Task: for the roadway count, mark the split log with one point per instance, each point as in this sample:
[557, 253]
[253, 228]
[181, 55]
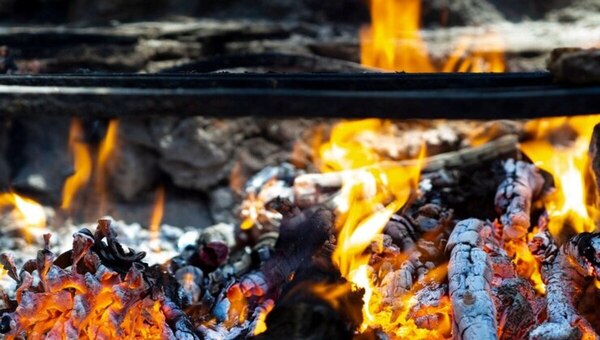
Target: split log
[574, 267]
[523, 183]
[470, 275]
[310, 188]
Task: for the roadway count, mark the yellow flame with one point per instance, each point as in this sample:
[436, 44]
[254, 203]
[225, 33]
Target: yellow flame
[567, 161]
[157, 216]
[28, 212]
[393, 42]
[82, 163]
[525, 263]
[372, 191]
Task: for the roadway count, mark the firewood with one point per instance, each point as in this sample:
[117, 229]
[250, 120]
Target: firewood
[470, 275]
[522, 184]
[573, 268]
[309, 189]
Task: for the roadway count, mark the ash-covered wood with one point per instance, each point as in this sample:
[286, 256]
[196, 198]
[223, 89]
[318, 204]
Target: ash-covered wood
[470, 275]
[522, 184]
[574, 267]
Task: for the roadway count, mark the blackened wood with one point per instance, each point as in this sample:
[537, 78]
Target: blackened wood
[300, 237]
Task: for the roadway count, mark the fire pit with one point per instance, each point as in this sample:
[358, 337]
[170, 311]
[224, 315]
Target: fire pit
[261, 183]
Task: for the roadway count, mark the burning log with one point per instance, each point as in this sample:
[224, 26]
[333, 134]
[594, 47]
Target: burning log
[312, 189]
[574, 267]
[518, 308]
[107, 292]
[522, 184]
[424, 236]
[470, 276]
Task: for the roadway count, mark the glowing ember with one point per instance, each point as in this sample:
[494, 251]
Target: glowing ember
[89, 300]
[82, 163]
[156, 218]
[567, 161]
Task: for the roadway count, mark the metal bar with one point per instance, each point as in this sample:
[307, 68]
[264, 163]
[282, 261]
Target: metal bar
[312, 81]
[316, 95]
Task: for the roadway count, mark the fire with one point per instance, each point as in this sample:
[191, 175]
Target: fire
[107, 148]
[27, 212]
[393, 42]
[372, 191]
[567, 161]
[82, 163]
[156, 218]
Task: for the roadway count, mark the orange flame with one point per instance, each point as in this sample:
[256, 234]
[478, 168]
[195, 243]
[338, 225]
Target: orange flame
[393, 42]
[567, 161]
[82, 164]
[107, 148]
[156, 218]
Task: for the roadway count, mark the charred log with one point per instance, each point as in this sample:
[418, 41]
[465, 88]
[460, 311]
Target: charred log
[574, 267]
[316, 304]
[470, 276]
[522, 185]
[299, 237]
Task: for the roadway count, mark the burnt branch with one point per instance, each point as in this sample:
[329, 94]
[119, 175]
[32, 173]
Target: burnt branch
[522, 184]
